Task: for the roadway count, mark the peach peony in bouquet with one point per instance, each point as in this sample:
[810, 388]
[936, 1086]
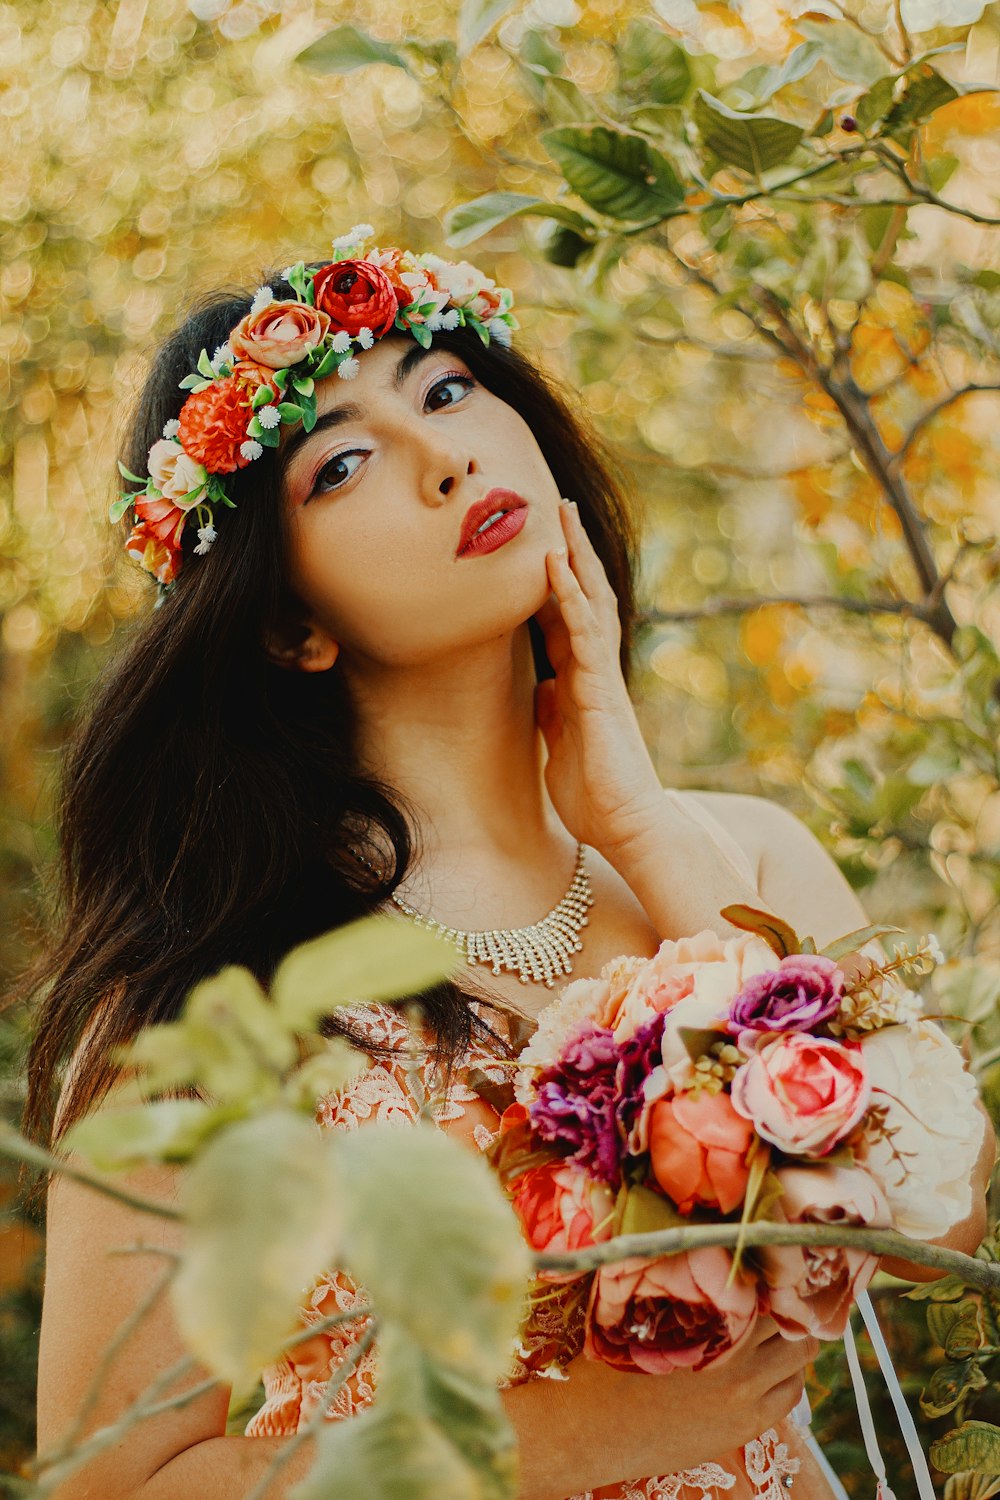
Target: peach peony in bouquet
[736, 1079]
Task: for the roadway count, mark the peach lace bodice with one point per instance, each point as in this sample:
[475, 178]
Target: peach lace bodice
[764, 1469]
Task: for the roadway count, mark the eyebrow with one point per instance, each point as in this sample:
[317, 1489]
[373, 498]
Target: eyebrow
[336, 416]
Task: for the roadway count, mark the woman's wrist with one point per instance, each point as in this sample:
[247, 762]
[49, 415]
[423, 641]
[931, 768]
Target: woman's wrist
[676, 870]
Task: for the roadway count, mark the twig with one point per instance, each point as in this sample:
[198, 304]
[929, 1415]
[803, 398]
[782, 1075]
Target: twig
[712, 608]
[983, 1275]
[939, 406]
[17, 1147]
[924, 193]
[339, 1378]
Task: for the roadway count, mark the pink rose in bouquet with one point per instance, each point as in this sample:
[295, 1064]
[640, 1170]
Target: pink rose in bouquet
[698, 1150]
[811, 1287]
[562, 1208]
[705, 971]
[678, 1312]
[803, 1093]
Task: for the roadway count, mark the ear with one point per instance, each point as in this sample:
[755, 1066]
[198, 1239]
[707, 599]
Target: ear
[301, 646]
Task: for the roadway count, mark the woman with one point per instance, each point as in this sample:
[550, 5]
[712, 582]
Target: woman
[335, 708]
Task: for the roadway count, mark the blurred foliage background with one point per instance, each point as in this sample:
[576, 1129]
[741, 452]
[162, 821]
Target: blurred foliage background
[801, 378]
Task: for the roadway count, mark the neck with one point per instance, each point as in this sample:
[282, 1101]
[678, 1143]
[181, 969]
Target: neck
[457, 739]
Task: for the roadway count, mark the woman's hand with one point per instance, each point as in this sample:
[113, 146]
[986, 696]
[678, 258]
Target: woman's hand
[603, 1426]
[599, 774]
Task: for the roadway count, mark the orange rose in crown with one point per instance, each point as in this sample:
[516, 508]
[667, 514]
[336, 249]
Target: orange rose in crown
[355, 294]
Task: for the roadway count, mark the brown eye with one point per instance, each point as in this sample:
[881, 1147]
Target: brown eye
[464, 382]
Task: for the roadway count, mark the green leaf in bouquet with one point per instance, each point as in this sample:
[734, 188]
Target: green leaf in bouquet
[948, 1385]
[117, 508]
[969, 1486]
[852, 941]
[775, 932]
[377, 958]
[759, 1162]
[345, 48]
[617, 173]
[205, 367]
[974, 1445]
[698, 1041]
[127, 474]
[164, 1130]
[752, 142]
[469, 221]
[429, 1232]
[643, 1210]
[262, 1208]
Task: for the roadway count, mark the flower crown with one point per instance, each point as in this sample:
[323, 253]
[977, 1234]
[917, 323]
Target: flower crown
[266, 372]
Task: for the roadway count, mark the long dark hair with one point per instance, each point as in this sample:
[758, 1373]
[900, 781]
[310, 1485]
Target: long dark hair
[208, 796]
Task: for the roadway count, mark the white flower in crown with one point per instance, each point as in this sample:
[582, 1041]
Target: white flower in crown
[251, 449]
[341, 342]
[442, 320]
[268, 416]
[364, 337]
[222, 356]
[171, 428]
[348, 368]
[355, 236]
[206, 536]
[262, 297]
[500, 332]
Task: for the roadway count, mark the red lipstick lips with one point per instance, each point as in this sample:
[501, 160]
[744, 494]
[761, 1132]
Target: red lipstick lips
[510, 511]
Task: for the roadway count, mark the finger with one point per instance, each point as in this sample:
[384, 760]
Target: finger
[589, 646]
[547, 715]
[553, 627]
[586, 563]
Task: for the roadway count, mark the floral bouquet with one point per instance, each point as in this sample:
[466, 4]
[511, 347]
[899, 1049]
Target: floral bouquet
[737, 1080]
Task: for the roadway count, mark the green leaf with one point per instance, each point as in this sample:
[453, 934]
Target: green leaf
[262, 396]
[345, 48]
[564, 103]
[262, 1207]
[751, 142]
[852, 941]
[955, 1326]
[191, 383]
[205, 366]
[652, 65]
[947, 1386]
[429, 1232]
[127, 474]
[162, 1130]
[377, 958]
[621, 175]
[939, 169]
[289, 411]
[329, 362]
[642, 1210]
[777, 933]
[758, 85]
[564, 247]
[476, 20]
[875, 104]
[118, 507]
[968, 1486]
[926, 91]
[974, 1445]
[540, 54]
[848, 52]
[304, 384]
[309, 417]
[945, 1289]
[469, 221]
[268, 437]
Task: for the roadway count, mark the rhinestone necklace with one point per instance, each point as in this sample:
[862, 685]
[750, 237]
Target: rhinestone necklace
[539, 952]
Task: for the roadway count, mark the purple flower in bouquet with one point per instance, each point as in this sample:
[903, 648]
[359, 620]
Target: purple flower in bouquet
[799, 995]
[574, 1102]
[641, 1080]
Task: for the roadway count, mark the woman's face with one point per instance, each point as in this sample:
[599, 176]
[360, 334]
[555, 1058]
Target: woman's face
[379, 492]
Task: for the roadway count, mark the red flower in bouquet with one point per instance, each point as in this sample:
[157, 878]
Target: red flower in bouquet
[698, 1148]
[356, 294]
[811, 1287]
[678, 1312]
[562, 1208]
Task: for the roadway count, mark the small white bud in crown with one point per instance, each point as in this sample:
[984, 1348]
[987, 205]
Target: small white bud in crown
[171, 428]
[348, 368]
[268, 416]
[251, 449]
[364, 337]
[354, 236]
[341, 342]
[206, 536]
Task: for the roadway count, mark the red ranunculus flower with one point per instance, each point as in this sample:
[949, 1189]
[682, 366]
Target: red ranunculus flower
[213, 424]
[355, 294]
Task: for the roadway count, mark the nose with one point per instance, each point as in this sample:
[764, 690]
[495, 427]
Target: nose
[444, 464]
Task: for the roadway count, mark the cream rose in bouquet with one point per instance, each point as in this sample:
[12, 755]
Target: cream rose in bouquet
[736, 1080]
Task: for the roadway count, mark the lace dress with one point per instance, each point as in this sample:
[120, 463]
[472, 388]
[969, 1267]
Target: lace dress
[765, 1469]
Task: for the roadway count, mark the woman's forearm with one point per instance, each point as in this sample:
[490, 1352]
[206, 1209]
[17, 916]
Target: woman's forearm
[677, 871]
[227, 1468]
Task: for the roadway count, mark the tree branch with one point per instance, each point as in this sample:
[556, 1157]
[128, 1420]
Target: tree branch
[713, 608]
[939, 406]
[983, 1275]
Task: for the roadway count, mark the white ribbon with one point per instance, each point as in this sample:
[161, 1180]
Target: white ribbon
[925, 1488]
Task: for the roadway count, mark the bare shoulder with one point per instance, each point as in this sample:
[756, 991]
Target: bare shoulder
[796, 874]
